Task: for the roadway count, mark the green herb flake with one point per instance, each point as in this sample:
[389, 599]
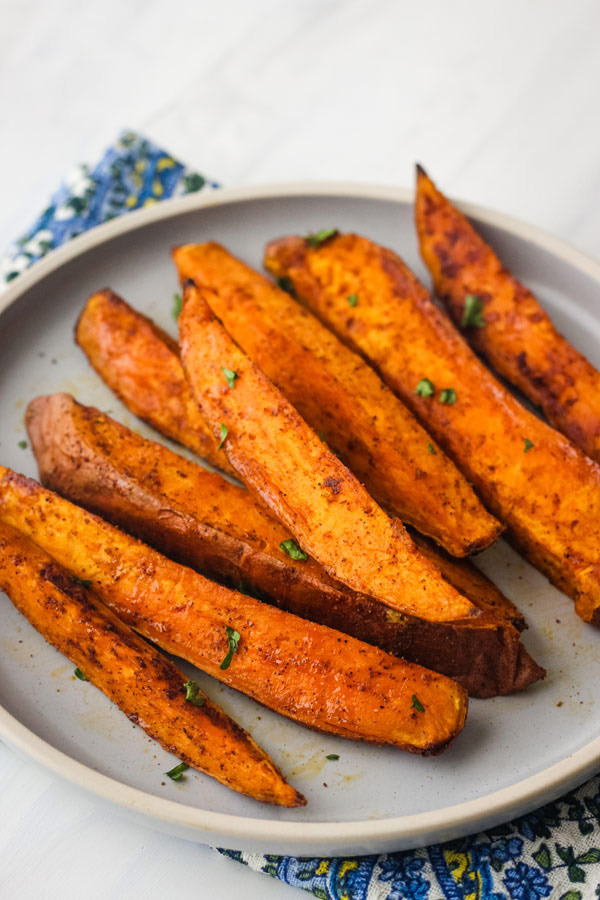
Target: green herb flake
[448, 395]
[86, 582]
[431, 448]
[292, 549]
[230, 376]
[528, 445]
[223, 429]
[193, 695]
[233, 638]
[286, 284]
[176, 774]
[332, 756]
[23, 445]
[176, 309]
[425, 388]
[319, 237]
[352, 299]
[472, 312]
[416, 704]
[79, 674]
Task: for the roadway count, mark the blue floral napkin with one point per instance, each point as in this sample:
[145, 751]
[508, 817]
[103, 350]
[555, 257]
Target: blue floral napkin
[131, 174]
[553, 852]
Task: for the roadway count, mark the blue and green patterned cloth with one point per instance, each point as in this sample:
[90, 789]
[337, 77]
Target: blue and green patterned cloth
[553, 852]
[131, 174]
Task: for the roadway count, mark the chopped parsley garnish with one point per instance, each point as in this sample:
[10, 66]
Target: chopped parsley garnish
[23, 445]
[86, 582]
[233, 637]
[416, 704]
[352, 299]
[333, 756]
[425, 388]
[177, 304]
[448, 395]
[316, 239]
[223, 429]
[472, 312]
[431, 448]
[192, 694]
[79, 674]
[230, 376]
[176, 774]
[292, 549]
[286, 284]
[528, 445]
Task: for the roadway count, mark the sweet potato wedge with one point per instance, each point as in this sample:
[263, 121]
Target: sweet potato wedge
[140, 363]
[142, 682]
[541, 486]
[309, 489]
[218, 528]
[461, 574]
[285, 662]
[343, 400]
[516, 335]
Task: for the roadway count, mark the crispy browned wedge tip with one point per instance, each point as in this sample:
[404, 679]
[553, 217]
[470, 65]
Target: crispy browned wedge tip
[140, 363]
[142, 682]
[505, 322]
[541, 486]
[471, 582]
[282, 661]
[343, 400]
[309, 489]
[221, 530]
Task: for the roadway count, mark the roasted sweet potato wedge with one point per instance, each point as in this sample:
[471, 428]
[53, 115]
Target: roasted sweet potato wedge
[309, 489]
[504, 321]
[461, 574]
[218, 528]
[283, 661]
[142, 682]
[140, 363]
[541, 486]
[343, 400]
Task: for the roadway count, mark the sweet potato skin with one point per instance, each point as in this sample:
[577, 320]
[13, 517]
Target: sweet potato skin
[309, 489]
[549, 496]
[319, 677]
[218, 528]
[343, 400]
[518, 337]
[140, 363]
[142, 682]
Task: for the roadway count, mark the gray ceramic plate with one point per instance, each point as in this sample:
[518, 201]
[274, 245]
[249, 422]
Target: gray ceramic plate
[514, 753]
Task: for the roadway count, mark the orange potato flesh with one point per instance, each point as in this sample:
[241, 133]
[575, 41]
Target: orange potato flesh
[222, 531]
[130, 373]
[343, 400]
[309, 489]
[140, 363]
[549, 496]
[315, 675]
[518, 337]
[142, 682]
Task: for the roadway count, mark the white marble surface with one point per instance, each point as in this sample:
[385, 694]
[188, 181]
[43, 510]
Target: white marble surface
[499, 100]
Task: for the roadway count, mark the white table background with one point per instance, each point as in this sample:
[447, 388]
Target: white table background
[499, 99]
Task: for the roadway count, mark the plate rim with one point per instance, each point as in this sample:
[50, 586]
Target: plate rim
[398, 832]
